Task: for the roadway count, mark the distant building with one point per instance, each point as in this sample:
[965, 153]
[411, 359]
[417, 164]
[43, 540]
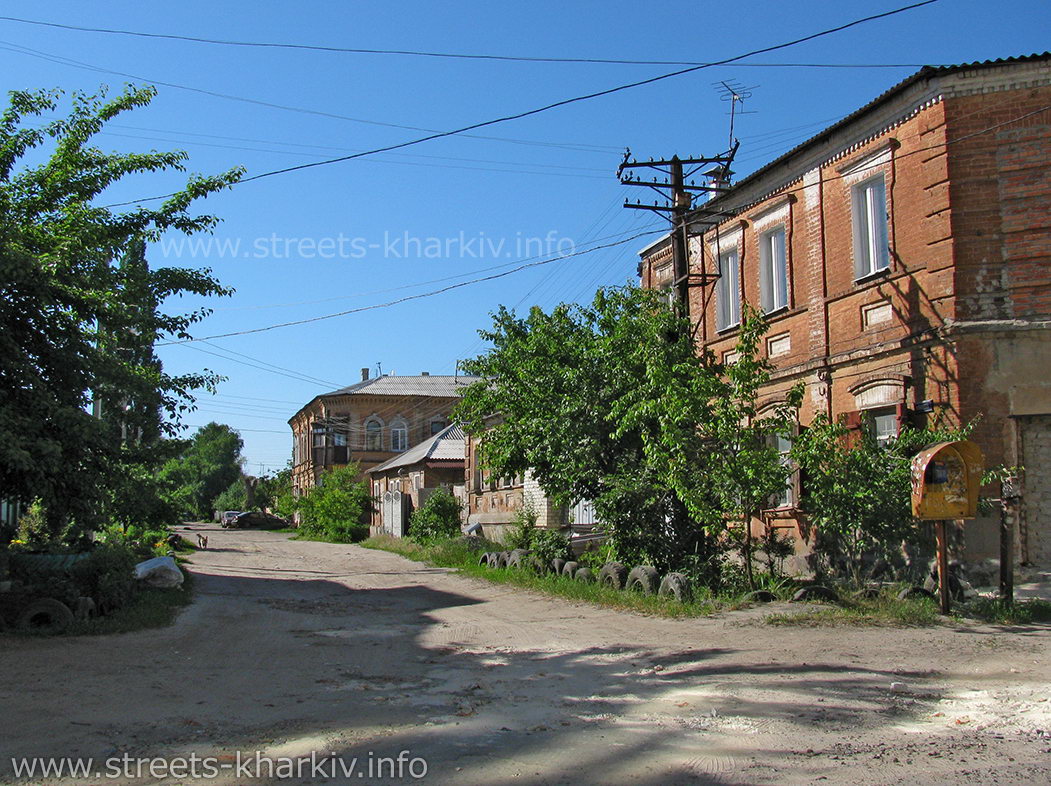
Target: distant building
[494, 502]
[369, 422]
[903, 259]
[403, 483]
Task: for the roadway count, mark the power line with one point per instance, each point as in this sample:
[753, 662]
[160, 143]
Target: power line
[563, 102]
[420, 53]
[419, 295]
[62, 60]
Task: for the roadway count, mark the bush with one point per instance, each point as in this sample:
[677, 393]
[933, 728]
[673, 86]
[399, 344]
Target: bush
[437, 518]
[523, 528]
[106, 575]
[334, 509]
[549, 544]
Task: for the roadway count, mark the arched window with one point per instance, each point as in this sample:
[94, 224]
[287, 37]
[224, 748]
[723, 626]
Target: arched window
[373, 435]
[399, 436]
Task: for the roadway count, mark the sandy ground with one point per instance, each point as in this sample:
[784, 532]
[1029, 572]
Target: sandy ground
[295, 647]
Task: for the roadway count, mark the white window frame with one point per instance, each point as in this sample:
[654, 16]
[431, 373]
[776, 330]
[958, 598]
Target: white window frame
[728, 291]
[373, 429]
[773, 269]
[871, 240]
[399, 436]
[879, 415]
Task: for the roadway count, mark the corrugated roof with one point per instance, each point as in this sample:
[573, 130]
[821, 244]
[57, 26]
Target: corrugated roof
[924, 73]
[429, 385]
[448, 444]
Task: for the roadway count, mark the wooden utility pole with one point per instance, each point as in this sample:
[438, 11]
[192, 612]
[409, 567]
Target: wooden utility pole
[941, 536]
[1008, 508]
[677, 190]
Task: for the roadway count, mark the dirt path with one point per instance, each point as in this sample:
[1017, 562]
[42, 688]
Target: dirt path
[293, 647]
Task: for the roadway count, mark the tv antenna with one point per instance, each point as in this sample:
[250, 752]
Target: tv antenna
[734, 92]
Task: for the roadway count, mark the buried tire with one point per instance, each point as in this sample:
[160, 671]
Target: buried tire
[586, 575]
[675, 585]
[556, 565]
[644, 579]
[517, 558]
[816, 592]
[569, 570]
[613, 574]
[501, 559]
[486, 559]
[911, 593]
[47, 616]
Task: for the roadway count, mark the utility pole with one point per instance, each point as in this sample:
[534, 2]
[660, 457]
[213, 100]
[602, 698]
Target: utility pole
[677, 191]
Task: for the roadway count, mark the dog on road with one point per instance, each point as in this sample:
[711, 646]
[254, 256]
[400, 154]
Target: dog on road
[202, 541]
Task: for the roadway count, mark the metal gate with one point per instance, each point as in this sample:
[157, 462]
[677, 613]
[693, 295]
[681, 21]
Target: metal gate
[393, 513]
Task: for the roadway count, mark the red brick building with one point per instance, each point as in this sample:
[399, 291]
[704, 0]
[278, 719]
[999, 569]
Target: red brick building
[903, 255]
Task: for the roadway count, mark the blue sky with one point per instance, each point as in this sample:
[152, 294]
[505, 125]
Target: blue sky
[364, 232]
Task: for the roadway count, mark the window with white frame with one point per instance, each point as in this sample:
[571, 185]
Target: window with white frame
[871, 247]
[373, 435]
[399, 436]
[773, 270]
[728, 292]
[883, 424]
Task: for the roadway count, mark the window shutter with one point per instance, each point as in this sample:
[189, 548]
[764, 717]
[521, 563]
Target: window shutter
[904, 416]
[852, 422]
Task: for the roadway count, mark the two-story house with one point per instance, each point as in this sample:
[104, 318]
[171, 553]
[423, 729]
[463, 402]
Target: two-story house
[369, 422]
[903, 259]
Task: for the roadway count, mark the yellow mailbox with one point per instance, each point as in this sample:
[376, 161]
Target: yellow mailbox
[945, 481]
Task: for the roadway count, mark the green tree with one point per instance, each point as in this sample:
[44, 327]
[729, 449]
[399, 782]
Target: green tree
[602, 403]
[858, 493]
[437, 518]
[207, 466]
[335, 509]
[74, 326]
[233, 498]
[744, 467]
[274, 493]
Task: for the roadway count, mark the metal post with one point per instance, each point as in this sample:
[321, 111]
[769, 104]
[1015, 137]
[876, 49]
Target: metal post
[943, 565]
[1008, 497]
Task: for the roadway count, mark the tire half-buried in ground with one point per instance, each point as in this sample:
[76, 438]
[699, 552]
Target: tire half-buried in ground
[644, 579]
[613, 574]
[676, 585]
[46, 615]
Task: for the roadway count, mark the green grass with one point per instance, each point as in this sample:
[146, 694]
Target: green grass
[888, 610]
[451, 554]
[150, 608]
[885, 610]
[881, 611]
[1021, 612]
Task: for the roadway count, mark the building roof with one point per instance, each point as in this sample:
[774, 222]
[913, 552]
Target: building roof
[423, 385]
[449, 444]
[925, 73]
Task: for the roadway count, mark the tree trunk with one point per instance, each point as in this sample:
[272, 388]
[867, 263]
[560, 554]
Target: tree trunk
[748, 551]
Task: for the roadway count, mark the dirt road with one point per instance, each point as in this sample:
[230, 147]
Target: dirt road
[295, 647]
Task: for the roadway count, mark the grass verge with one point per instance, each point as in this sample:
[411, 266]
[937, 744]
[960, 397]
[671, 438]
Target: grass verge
[451, 554]
[150, 608]
[869, 612]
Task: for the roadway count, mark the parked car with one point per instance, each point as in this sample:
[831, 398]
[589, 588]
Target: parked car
[227, 517]
[256, 518]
